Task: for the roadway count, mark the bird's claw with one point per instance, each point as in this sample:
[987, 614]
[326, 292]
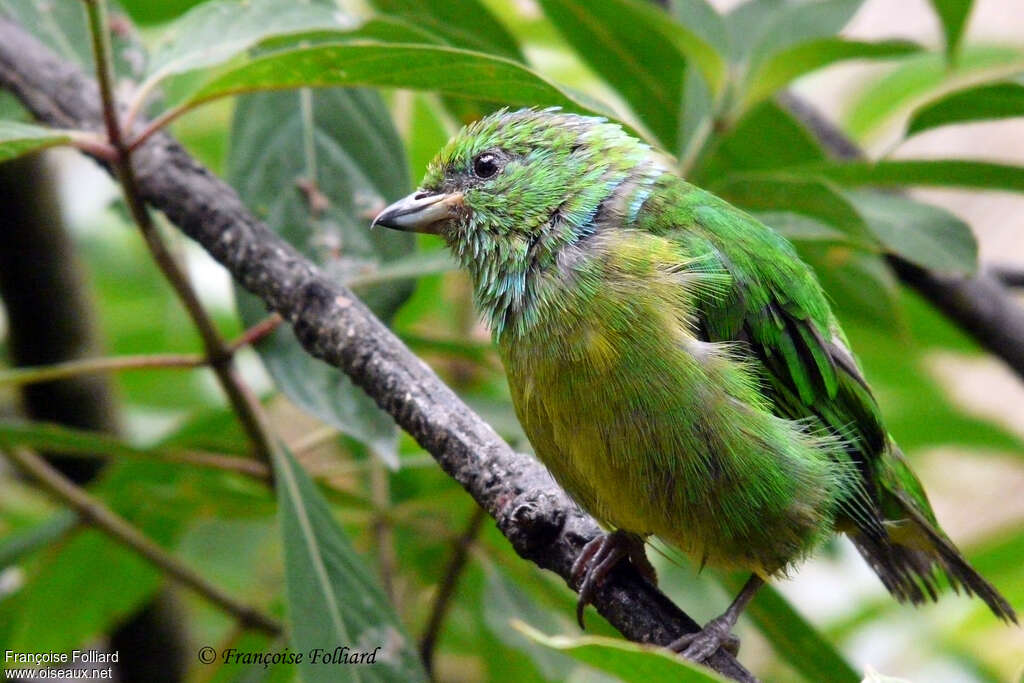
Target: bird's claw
[697, 647]
[597, 559]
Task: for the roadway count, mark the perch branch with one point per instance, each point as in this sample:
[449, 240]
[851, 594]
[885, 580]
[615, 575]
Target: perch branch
[537, 517]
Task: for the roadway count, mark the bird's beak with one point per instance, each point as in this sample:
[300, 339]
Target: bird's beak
[420, 212]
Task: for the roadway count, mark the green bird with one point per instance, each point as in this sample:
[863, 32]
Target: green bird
[674, 363]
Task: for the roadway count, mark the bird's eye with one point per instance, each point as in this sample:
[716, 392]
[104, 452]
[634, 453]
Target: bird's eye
[485, 165]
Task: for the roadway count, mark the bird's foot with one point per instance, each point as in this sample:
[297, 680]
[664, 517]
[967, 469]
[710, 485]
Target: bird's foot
[597, 559]
[717, 633]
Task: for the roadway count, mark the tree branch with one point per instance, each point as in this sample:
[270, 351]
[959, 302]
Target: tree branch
[446, 588]
[979, 304]
[539, 519]
[218, 353]
[96, 513]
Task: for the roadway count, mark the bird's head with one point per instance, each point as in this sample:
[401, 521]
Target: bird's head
[511, 190]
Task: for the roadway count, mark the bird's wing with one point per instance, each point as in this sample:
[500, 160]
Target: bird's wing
[776, 308]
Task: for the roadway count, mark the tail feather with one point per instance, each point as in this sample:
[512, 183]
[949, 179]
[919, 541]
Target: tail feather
[911, 574]
[959, 572]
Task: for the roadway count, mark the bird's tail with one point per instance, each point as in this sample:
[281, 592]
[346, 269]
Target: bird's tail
[913, 551]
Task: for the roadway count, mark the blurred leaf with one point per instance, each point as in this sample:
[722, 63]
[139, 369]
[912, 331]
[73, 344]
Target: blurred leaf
[380, 28]
[215, 32]
[979, 175]
[627, 43]
[416, 264]
[149, 12]
[466, 24]
[332, 598]
[629, 661]
[918, 76]
[803, 195]
[922, 233]
[766, 137]
[103, 581]
[419, 67]
[504, 604]
[339, 145]
[48, 436]
[798, 228]
[11, 108]
[783, 67]
[860, 284]
[696, 118]
[792, 637]
[953, 16]
[919, 411]
[63, 27]
[24, 541]
[17, 139]
[214, 429]
[761, 28]
[703, 19]
[426, 133]
[984, 102]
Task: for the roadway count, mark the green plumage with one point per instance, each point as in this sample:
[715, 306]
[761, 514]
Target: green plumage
[674, 363]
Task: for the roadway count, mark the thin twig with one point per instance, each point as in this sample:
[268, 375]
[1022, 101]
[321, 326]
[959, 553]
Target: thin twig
[73, 368]
[94, 512]
[155, 125]
[446, 588]
[218, 354]
[381, 525]
[256, 332]
[46, 373]
[1008, 275]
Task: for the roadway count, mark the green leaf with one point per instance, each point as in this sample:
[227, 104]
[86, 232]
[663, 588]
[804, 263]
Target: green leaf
[146, 12]
[56, 438]
[332, 598]
[761, 28]
[340, 146]
[918, 77]
[802, 195]
[980, 175]
[17, 139]
[24, 541]
[863, 289]
[416, 264]
[703, 19]
[640, 52]
[215, 32]
[63, 27]
[765, 138]
[984, 102]
[953, 14]
[798, 228]
[467, 24]
[629, 661]
[505, 604]
[783, 67]
[924, 234]
[90, 581]
[792, 637]
[443, 69]
[901, 371]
